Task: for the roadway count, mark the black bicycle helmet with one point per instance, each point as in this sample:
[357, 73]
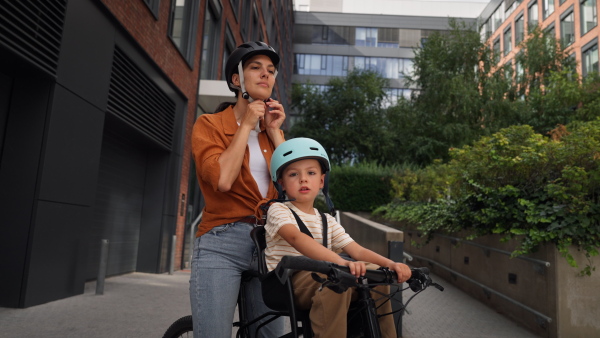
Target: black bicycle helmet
[242, 53]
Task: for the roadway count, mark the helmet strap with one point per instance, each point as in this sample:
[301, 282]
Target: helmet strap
[280, 192]
[245, 94]
[328, 200]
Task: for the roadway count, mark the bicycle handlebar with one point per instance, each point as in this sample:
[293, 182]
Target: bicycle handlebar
[341, 274]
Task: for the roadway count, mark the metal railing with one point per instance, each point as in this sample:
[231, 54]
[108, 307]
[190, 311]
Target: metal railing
[487, 249]
[540, 316]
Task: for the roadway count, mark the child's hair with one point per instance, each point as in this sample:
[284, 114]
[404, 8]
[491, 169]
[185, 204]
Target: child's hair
[297, 149]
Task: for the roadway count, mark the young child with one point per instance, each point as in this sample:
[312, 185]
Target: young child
[298, 168]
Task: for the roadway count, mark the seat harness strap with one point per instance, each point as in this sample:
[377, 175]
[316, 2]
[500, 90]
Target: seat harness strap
[305, 230]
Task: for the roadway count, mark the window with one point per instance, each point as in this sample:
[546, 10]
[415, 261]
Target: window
[182, 26]
[550, 34]
[567, 28]
[366, 37]
[507, 40]
[247, 20]
[235, 5]
[548, 7]
[229, 48]
[496, 48]
[388, 37]
[508, 70]
[589, 15]
[256, 29]
[532, 15]
[328, 65]
[497, 19]
[332, 35]
[408, 67]
[519, 29]
[589, 58]
[153, 6]
[210, 40]
[519, 71]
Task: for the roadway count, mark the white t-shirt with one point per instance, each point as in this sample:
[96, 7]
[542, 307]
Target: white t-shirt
[258, 164]
[279, 215]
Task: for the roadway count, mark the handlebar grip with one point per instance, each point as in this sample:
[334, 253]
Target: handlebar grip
[304, 263]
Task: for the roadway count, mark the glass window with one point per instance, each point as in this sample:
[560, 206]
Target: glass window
[589, 15]
[589, 59]
[497, 18]
[153, 5]
[567, 29]
[519, 70]
[247, 20]
[551, 33]
[210, 39]
[532, 15]
[496, 48]
[182, 26]
[508, 69]
[329, 65]
[408, 67]
[519, 30]
[548, 7]
[507, 41]
[229, 47]
[256, 29]
[366, 37]
[235, 5]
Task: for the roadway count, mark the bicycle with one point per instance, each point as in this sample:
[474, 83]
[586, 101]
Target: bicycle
[362, 315]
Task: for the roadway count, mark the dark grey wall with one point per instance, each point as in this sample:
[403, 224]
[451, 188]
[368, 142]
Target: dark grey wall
[52, 128]
[19, 165]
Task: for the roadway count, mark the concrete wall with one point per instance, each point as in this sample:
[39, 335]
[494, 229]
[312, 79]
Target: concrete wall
[539, 291]
[578, 312]
[371, 235]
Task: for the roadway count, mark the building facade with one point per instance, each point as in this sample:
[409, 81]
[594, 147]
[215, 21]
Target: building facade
[505, 23]
[335, 37]
[97, 103]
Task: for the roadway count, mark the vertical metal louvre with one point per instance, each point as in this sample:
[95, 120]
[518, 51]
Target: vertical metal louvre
[33, 29]
[138, 101]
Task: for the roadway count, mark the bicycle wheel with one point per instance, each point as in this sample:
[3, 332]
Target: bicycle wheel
[182, 327]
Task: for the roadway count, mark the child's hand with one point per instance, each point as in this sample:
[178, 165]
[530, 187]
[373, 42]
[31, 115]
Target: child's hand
[402, 270]
[356, 268]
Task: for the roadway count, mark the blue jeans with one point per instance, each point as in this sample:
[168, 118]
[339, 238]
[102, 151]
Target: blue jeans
[220, 256]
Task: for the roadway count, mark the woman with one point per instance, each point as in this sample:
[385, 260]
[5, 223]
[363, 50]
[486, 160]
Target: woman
[232, 149]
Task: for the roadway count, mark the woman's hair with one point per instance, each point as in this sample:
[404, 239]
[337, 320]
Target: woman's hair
[223, 105]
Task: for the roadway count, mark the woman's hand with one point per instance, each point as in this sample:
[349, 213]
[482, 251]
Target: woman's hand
[275, 115]
[402, 270]
[255, 111]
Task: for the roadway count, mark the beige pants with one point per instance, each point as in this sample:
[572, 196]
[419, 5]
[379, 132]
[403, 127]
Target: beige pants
[329, 310]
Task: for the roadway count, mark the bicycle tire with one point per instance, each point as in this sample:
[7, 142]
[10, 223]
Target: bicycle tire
[181, 328]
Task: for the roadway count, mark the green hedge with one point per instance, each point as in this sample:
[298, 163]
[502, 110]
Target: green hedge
[361, 187]
[513, 183]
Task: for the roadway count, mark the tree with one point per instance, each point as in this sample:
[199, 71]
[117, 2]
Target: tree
[347, 118]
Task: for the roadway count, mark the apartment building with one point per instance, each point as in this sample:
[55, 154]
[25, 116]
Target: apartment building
[505, 23]
[334, 37]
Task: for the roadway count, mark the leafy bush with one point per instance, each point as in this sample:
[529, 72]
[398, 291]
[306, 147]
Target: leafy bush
[361, 187]
[513, 183]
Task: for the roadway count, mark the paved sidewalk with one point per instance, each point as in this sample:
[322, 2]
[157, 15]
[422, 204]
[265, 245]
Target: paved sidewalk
[144, 305]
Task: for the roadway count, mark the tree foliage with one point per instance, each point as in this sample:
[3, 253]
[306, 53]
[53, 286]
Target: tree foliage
[461, 95]
[514, 183]
[347, 118]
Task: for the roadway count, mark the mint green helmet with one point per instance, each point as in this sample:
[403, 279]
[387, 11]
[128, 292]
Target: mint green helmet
[296, 149]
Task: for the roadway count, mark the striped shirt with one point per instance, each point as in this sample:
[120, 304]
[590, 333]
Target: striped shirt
[279, 215]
